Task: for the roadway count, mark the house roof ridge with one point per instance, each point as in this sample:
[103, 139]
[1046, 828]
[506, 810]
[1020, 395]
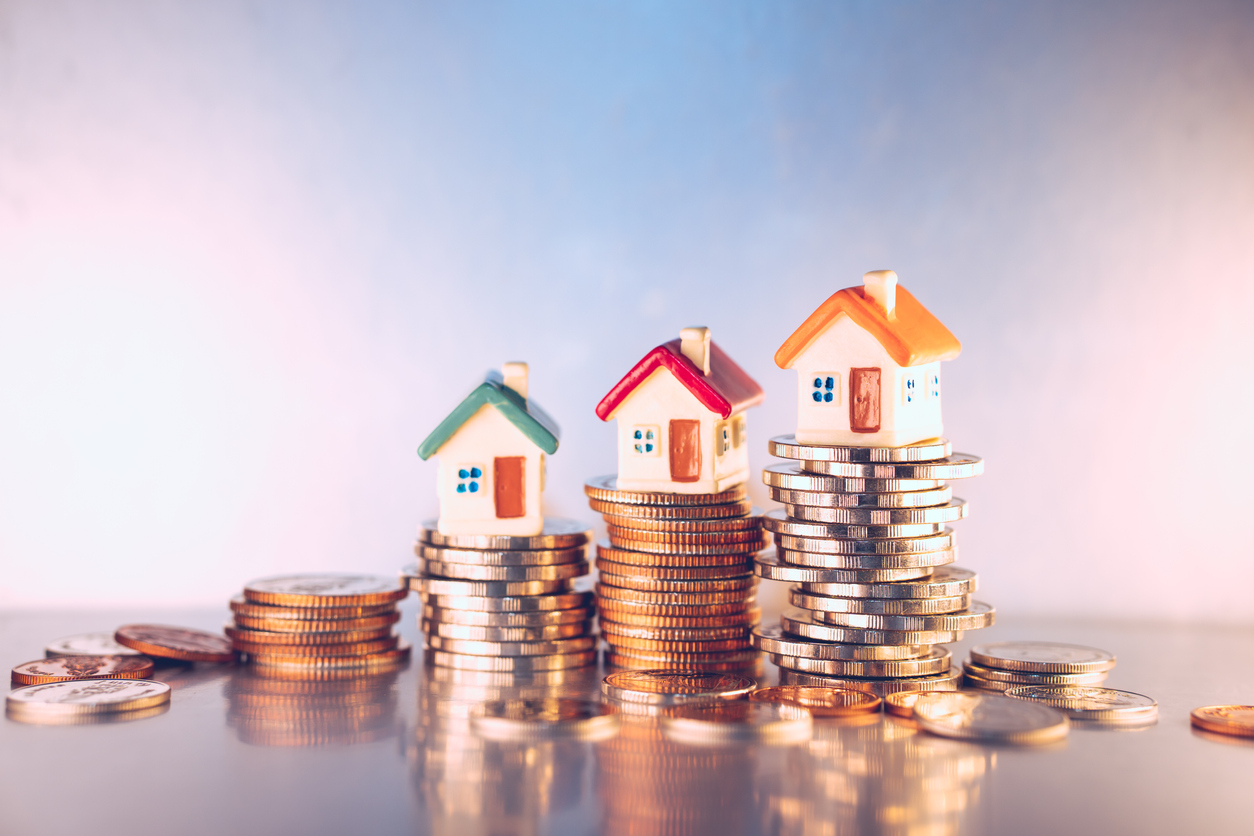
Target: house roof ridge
[728, 389]
[526, 415]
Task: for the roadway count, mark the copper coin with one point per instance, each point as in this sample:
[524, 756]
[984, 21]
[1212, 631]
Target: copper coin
[339, 625]
[181, 643]
[1233, 720]
[619, 554]
[671, 512]
[688, 599]
[664, 659]
[245, 636]
[630, 644]
[325, 590]
[618, 610]
[606, 488]
[613, 628]
[646, 583]
[646, 663]
[750, 546]
[901, 703]
[750, 533]
[66, 668]
[820, 702]
[621, 617]
[674, 573]
[242, 606]
[672, 686]
[302, 667]
[363, 648]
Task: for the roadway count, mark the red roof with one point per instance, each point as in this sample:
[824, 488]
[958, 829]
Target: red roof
[725, 390]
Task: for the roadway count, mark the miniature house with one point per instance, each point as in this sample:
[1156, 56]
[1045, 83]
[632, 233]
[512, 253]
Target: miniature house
[868, 367]
[681, 422]
[491, 451]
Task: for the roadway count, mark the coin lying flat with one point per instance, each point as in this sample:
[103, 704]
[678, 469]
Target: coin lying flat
[324, 590]
[1042, 657]
[339, 625]
[935, 662]
[359, 648]
[952, 511]
[757, 543]
[510, 603]
[677, 634]
[620, 555]
[741, 617]
[1086, 702]
[787, 447]
[955, 466]
[777, 522]
[629, 644]
[769, 565]
[497, 648]
[512, 663]
[671, 512]
[901, 703]
[862, 562]
[820, 702]
[181, 643]
[790, 476]
[773, 639]
[240, 636]
[804, 624]
[868, 501]
[675, 573]
[306, 666]
[476, 572]
[481, 589]
[552, 718]
[675, 687]
[1021, 678]
[498, 557]
[800, 597]
[746, 530]
[944, 582]
[647, 583]
[979, 615]
[734, 663]
[880, 687]
[887, 546]
[1233, 720]
[741, 721]
[557, 534]
[472, 632]
[605, 489]
[89, 644]
[93, 696]
[991, 718]
[605, 592]
[620, 610]
[65, 668]
[481, 618]
[720, 525]
[241, 606]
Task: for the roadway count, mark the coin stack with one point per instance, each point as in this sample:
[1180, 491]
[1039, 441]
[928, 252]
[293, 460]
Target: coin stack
[1003, 666]
[863, 539]
[676, 586]
[310, 625]
[496, 602]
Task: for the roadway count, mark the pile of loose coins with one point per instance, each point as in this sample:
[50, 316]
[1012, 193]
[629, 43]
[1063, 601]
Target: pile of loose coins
[863, 539]
[1003, 666]
[502, 603]
[675, 585]
[308, 625]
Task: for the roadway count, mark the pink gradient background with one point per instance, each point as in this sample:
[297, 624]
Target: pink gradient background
[251, 254]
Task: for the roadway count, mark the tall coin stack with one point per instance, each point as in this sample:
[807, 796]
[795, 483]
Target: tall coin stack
[863, 539]
[676, 586]
[494, 602]
[310, 625]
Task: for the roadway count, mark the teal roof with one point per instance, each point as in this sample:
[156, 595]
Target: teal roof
[531, 420]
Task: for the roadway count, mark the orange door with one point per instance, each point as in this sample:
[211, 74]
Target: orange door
[508, 477]
[864, 400]
[685, 450]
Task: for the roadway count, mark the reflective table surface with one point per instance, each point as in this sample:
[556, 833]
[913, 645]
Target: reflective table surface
[395, 753]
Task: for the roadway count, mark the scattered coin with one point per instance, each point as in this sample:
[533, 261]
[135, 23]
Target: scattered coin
[1232, 720]
[902, 703]
[820, 702]
[181, 643]
[324, 590]
[524, 719]
[64, 668]
[738, 722]
[990, 718]
[89, 644]
[94, 696]
[675, 687]
[787, 447]
[605, 489]
[1084, 702]
[1042, 657]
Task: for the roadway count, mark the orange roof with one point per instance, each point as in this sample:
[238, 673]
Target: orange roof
[911, 335]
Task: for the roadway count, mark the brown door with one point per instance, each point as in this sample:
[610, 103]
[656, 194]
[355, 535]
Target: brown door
[864, 400]
[511, 495]
[685, 451]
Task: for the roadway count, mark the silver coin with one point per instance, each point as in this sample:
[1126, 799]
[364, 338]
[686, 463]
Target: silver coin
[1020, 678]
[867, 561]
[741, 721]
[520, 664]
[480, 618]
[944, 582]
[510, 604]
[979, 615]
[899, 499]
[471, 632]
[787, 447]
[470, 647]
[489, 589]
[989, 718]
[934, 663]
[473, 572]
[804, 624]
[486, 557]
[87, 696]
[544, 719]
[956, 466]
[773, 639]
[789, 475]
[945, 682]
[840, 545]
[799, 597]
[1087, 702]
[778, 522]
[675, 687]
[605, 489]
[88, 644]
[768, 565]
[952, 511]
[1042, 657]
[557, 534]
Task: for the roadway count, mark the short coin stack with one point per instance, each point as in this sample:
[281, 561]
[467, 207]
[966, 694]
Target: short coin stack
[312, 624]
[1004, 666]
[495, 602]
[863, 539]
[676, 586]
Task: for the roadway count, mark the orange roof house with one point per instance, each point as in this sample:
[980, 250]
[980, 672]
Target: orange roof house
[868, 365]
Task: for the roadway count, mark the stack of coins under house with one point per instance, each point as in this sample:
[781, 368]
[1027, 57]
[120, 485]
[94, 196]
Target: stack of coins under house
[863, 539]
[495, 602]
[675, 584]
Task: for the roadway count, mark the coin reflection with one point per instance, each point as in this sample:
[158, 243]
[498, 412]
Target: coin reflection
[475, 784]
[336, 708]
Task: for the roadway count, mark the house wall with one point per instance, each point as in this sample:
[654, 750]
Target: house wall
[654, 404]
[486, 435]
[845, 346]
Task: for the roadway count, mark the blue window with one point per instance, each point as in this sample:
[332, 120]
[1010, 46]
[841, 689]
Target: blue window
[933, 385]
[469, 478]
[825, 389]
[644, 440]
[910, 392]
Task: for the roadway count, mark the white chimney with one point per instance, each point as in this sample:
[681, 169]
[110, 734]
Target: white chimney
[880, 286]
[694, 343]
[515, 377]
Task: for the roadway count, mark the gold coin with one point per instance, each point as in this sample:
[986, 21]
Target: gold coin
[495, 648]
[264, 637]
[291, 625]
[470, 632]
[880, 687]
[497, 557]
[557, 534]
[361, 648]
[537, 618]
[621, 510]
[322, 666]
[661, 529]
[684, 599]
[646, 583]
[936, 661]
[629, 644]
[746, 547]
[899, 499]
[512, 663]
[66, 668]
[674, 573]
[646, 663]
[1233, 720]
[772, 639]
[510, 604]
[787, 447]
[605, 489]
[769, 565]
[475, 572]
[1020, 678]
[636, 558]
[324, 590]
[901, 703]
[689, 634]
[820, 702]
[990, 718]
[619, 610]
[675, 687]
[619, 617]
[864, 562]
[486, 589]
[242, 606]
